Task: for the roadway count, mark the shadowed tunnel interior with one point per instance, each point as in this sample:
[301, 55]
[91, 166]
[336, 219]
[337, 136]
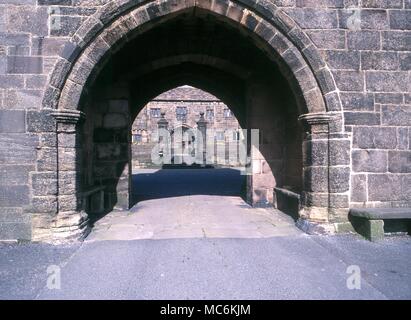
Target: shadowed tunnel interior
[197, 48]
[156, 184]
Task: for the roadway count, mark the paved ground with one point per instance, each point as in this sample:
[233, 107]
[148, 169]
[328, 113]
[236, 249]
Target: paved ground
[256, 254]
[189, 203]
[291, 267]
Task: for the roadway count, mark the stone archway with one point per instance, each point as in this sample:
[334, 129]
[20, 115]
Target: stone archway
[326, 147]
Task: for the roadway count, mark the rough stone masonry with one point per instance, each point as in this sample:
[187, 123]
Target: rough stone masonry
[346, 62]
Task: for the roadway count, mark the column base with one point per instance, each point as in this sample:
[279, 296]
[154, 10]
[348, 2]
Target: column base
[70, 227]
[315, 214]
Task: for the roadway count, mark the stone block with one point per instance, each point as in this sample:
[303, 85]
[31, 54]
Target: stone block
[12, 121]
[349, 80]
[338, 201]
[396, 40]
[358, 188]
[357, 101]
[389, 187]
[314, 18]
[403, 141]
[47, 159]
[316, 179]
[11, 81]
[23, 65]
[315, 153]
[67, 26]
[41, 121]
[400, 19]
[339, 152]
[388, 98]
[399, 161]
[369, 160]
[379, 60]
[28, 19]
[14, 196]
[15, 231]
[396, 115]
[383, 4]
[363, 40]
[36, 82]
[384, 81]
[343, 59]
[372, 230]
[405, 61]
[12, 175]
[362, 118]
[18, 148]
[44, 183]
[339, 179]
[374, 138]
[328, 39]
[23, 99]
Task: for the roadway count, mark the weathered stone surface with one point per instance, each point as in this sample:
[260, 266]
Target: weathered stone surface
[343, 59]
[14, 196]
[18, 148]
[315, 153]
[339, 179]
[44, 184]
[388, 187]
[379, 60]
[381, 81]
[369, 161]
[399, 161]
[362, 118]
[396, 115]
[339, 152]
[11, 175]
[363, 40]
[357, 101]
[40, 121]
[12, 121]
[22, 65]
[375, 138]
[316, 179]
[349, 80]
[358, 188]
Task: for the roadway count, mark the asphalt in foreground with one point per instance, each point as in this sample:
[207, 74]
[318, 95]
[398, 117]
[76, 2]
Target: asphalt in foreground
[291, 267]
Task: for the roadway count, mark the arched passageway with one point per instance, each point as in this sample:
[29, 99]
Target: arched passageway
[269, 81]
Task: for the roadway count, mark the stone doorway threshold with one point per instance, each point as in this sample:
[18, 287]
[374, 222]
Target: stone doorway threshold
[194, 216]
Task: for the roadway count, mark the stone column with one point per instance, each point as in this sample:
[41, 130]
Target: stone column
[202, 128]
[163, 125]
[315, 195]
[71, 222]
[326, 169]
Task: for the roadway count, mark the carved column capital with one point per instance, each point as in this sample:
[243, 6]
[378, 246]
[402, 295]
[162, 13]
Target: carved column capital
[68, 116]
[317, 122]
[316, 118]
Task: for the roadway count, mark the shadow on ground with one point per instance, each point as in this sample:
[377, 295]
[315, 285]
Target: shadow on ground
[149, 184]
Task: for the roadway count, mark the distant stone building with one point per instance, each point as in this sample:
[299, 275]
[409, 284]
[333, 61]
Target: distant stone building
[181, 107]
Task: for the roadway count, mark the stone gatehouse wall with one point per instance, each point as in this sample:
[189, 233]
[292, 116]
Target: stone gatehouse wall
[366, 44]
